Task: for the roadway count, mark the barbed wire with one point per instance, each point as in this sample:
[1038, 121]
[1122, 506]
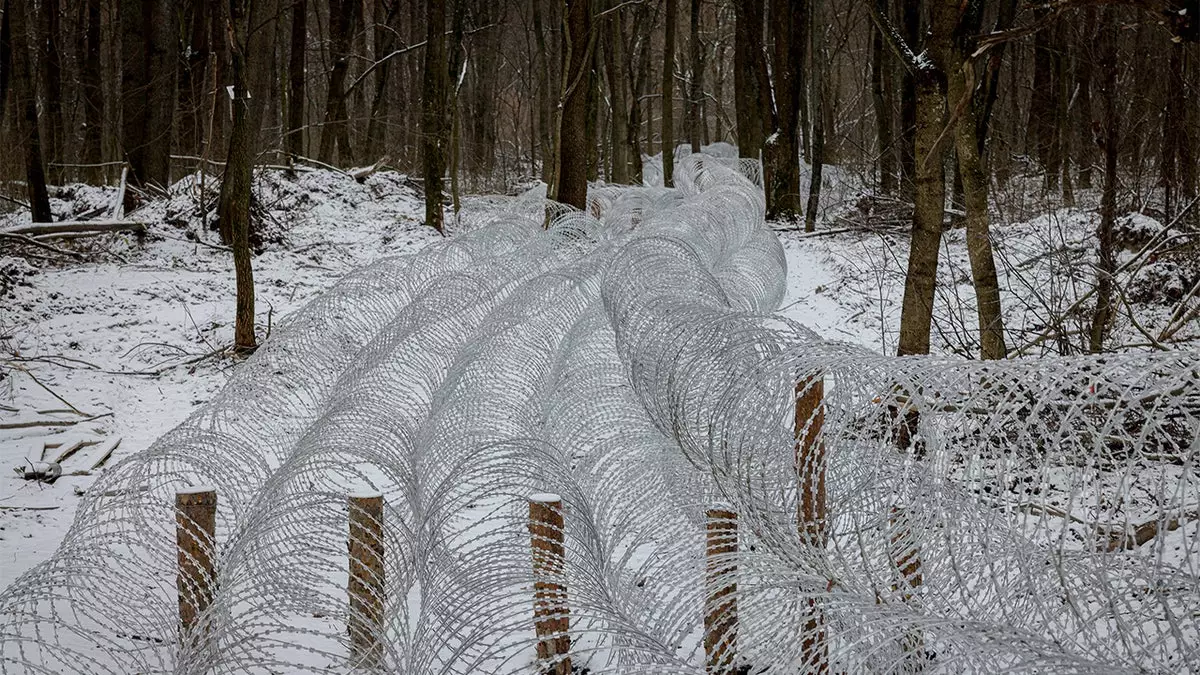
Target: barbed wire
[735, 491]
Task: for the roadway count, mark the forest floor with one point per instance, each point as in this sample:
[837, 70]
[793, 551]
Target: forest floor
[110, 353]
[136, 336]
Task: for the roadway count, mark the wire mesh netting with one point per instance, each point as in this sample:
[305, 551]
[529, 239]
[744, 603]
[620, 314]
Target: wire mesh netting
[595, 443]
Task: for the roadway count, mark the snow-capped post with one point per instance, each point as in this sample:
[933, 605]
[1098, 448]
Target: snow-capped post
[195, 541]
[720, 581]
[365, 586]
[551, 618]
[810, 504]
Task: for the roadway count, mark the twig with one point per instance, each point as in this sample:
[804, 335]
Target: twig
[50, 391]
[18, 202]
[16, 236]
[51, 423]
[29, 508]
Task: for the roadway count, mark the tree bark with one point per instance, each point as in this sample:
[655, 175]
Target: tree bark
[1110, 145]
[614, 61]
[781, 154]
[819, 62]
[134, 81]
[52, 73]
[93, 95]
[253, 27]
[668, 94]
[881, 91]
[571, 185]
[162, 51]
[25, 106]
[910, 12]
[951, 35]
[434, 127]
[335, 132]
[1085, 148]
[916, 314]
[751, 89]
[6, 59]
[547, 96]
[639, 75]
[696, 82]
[296, 89]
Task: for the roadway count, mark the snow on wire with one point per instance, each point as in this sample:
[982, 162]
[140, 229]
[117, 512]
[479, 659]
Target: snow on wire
[1031, 515]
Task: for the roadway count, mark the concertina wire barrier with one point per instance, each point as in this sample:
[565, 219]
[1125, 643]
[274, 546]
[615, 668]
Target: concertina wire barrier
[594, 446]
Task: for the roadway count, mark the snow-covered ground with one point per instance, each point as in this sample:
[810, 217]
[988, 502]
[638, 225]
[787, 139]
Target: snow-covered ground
[135, 337]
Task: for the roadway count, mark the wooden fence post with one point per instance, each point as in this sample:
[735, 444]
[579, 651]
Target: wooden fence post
[811, 515]
[195, 542]
[551, 618]
[720, 577]
[365, 586]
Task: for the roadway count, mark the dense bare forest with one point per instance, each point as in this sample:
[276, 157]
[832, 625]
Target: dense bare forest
[945, 110]
[600, 336]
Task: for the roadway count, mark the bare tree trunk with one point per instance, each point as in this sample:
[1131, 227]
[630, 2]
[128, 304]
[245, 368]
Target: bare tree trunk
[1191, 134]
[134, 82]
[25, 106]
[881, 90]
[916, 313]
[979, 244]
[819, 62]
[781, 153]
[592, 132]
[546, 98]
[433, 127]
[696, 83]
[55, 145]
[454, 80]
[296, 89]
[721, 130]
[668, 94]
[93, 95]
[335, 133]
[638, 77]
[614, 61]
[162, 58]
[951, 36]
[192, 76]
[751, 88]
[1085, 149]
[6, 56]
[1102, 317]
[573, 142]
[910, 13]
[253, 31]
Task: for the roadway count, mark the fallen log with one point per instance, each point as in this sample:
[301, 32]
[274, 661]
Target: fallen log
[361, 174]
[76, 226]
